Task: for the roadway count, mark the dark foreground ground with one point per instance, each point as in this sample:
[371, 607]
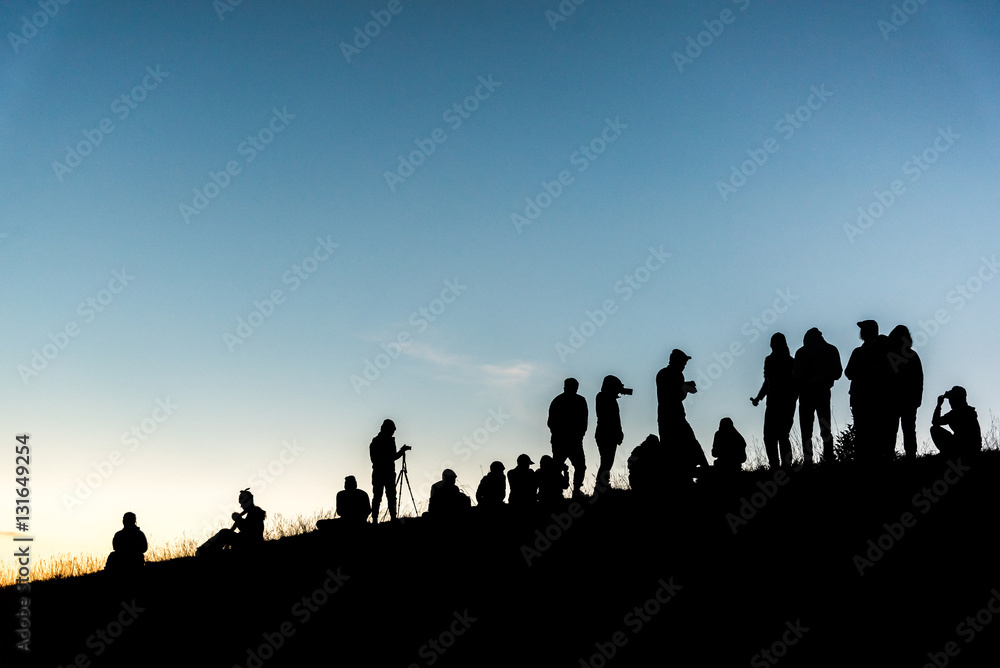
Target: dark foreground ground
[614, 581]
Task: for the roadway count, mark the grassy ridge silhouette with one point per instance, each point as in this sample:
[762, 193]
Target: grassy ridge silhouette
[793, 564]
[67, 565]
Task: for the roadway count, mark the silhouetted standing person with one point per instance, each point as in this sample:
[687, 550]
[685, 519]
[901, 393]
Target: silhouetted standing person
[492, 488]
[568, 424]
[608, 432]
[966, 436]
[868, 371]
[680, 446]
[447, 500]
[817, 368]
[729, 447]
[353, 504]
[523, 485]
[129, 546]
[779, 388]
[383, 454]
[906, 387]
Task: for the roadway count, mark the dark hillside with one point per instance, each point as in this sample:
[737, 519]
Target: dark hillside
[616, 580]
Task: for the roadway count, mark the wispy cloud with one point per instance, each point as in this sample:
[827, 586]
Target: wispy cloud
[465, 368]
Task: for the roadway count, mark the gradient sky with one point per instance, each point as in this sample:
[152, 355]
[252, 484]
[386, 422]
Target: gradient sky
[673, 130]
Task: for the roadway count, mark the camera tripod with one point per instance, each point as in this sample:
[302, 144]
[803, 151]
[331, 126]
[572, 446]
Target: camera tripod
[403, 476]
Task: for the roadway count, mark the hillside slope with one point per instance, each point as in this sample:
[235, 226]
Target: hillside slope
[717, 575]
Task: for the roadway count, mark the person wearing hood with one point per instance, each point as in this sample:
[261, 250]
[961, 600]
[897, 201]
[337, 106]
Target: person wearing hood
[729, 447]
[965, 437]
[779, 389]
[817, 367]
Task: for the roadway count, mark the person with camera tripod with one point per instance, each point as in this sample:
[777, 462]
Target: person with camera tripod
[383, 454]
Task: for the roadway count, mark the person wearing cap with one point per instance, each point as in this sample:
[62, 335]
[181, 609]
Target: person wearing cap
[817, 367]
[383, 454]
[779, 388]
[906, 387]
[966, 436]
[353, 504]
[129, 546]
[523, 484]
[568, 424]
[869, 372]
[492, 488]
[447, 500]
[608, 432]
[676, 436]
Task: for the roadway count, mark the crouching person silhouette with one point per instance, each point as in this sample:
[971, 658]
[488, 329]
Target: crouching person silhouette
[966, 437]
[729, 448]
[492, 489]
[447, 500]
[126, 561]
[646, 467]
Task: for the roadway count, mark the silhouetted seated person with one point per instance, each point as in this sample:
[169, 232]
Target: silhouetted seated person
[523, 485]
[248, 527]
[729, 447]
[553, 480]
[492, 488]
[353, 506]
[646, 465]
[129, 547]
[447, 500]
[965, 437]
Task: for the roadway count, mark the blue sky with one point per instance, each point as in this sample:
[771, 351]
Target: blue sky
[620, 143]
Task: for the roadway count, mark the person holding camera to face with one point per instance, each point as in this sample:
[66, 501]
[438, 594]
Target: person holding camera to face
[965, 437]
[608, 432]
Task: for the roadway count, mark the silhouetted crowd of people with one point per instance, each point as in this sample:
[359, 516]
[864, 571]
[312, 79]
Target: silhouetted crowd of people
[886, 387]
